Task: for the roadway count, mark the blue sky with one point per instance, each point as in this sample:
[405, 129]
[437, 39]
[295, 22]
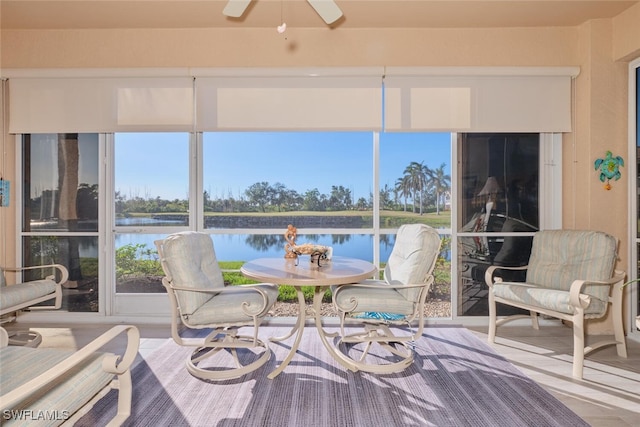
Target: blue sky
[151, 165]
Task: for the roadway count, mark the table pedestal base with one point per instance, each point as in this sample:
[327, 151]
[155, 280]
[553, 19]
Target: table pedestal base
[313, 312]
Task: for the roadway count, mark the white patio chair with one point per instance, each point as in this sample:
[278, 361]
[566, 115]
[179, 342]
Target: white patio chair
[379, 305]
[200, 300]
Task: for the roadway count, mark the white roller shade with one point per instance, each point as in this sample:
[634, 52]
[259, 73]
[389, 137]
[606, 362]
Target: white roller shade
[56, 105]
[479, 103]
[465, 99]
[289, 103]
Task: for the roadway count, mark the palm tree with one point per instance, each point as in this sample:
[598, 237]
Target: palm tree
[441, 183]
[385, 198]
[404, 190]
[427, 178]
[417, 178]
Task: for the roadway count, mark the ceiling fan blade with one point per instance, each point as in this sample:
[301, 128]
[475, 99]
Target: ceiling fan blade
[327, 9]
[235, 8]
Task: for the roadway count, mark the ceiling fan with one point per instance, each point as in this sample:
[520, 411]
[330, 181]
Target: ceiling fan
[327, 9]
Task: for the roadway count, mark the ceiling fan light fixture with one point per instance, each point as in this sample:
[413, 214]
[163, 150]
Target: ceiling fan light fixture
[327, 9]
[235, 8]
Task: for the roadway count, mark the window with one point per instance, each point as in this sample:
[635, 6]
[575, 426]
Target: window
[634, 123]
[256, 183]
[253, 184]
[415, 186]
[151, 199]
[637, 126]
[60, 211]
[415, 178]
[498, 209]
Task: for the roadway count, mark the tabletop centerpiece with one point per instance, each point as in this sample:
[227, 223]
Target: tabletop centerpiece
[317, 253]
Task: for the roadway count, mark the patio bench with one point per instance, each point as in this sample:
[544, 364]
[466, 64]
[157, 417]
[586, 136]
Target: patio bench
[29, 295]
[570, 276]
[56, 387]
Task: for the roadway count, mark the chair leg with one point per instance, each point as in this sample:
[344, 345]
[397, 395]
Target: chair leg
[213, 345]
[618, 327]
[383, 337]
[491, 335]
[365, 352]
[25, 338]
[218, 374]
[534, 320]
[578, 345]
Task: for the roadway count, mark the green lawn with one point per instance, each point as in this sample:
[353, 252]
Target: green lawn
[388, 219]
[442, 275]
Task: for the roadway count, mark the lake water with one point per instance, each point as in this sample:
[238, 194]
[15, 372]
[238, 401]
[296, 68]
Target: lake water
[243, 247]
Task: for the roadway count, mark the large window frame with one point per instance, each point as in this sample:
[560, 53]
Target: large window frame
[633, 292]
[153, 307]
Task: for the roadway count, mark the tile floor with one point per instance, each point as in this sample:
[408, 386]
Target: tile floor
[609, 394]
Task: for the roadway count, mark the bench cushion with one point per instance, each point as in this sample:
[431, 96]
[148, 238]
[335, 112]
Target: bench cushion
[15, 294]
[550, 299]
[558, 257]
[66, 395]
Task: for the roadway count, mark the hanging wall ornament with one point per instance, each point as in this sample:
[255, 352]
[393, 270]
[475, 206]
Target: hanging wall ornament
[609, 168]
[4, 192]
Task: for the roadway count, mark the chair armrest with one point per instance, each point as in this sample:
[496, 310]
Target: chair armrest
[577, 299]
[112, 363]
[488, 274]
[262, 307]
[4, 337]
[253, 287]
[64, 273]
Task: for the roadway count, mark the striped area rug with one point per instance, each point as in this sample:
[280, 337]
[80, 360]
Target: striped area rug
[456, 380]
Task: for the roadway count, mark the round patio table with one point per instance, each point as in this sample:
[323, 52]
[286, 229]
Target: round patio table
[302, 272]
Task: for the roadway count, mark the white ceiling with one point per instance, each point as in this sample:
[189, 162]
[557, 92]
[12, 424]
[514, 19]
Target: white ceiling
[37, 14]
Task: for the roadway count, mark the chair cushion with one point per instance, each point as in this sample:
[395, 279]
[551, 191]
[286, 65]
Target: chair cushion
[191, 261]
[551, 299]
[374, 299]
[227, 307]
[558, 257]
[413, 257]
[19, 293]
[65, 395]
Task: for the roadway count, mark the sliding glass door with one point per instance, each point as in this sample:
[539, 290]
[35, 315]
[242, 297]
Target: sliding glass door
[634, 186]
[498, 209]
[60, 212]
